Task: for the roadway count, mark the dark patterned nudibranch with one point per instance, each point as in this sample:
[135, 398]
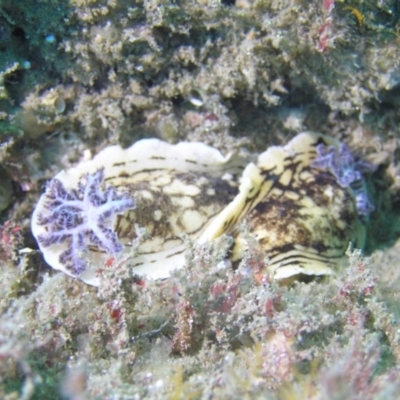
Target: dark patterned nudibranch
[295, 200]
[302, 216]
[88, 211]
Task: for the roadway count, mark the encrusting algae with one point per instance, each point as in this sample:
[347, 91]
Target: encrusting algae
[235, 75]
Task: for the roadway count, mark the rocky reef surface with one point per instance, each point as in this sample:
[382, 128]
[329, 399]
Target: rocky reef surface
[78, 76]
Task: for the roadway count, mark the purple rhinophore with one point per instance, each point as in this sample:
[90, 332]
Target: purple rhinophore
[348, 172]
[82, 217]
[341, 163]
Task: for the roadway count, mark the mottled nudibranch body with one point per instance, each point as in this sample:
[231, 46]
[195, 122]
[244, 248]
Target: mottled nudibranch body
[300, 214]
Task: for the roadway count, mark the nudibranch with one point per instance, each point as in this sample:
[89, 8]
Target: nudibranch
[302, 217]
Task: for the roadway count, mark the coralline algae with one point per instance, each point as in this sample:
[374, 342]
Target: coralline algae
[301, 214]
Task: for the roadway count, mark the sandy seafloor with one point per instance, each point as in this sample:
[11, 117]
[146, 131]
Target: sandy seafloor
[239, 75]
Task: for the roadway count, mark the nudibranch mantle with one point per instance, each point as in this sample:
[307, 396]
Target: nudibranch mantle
[302, 218]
